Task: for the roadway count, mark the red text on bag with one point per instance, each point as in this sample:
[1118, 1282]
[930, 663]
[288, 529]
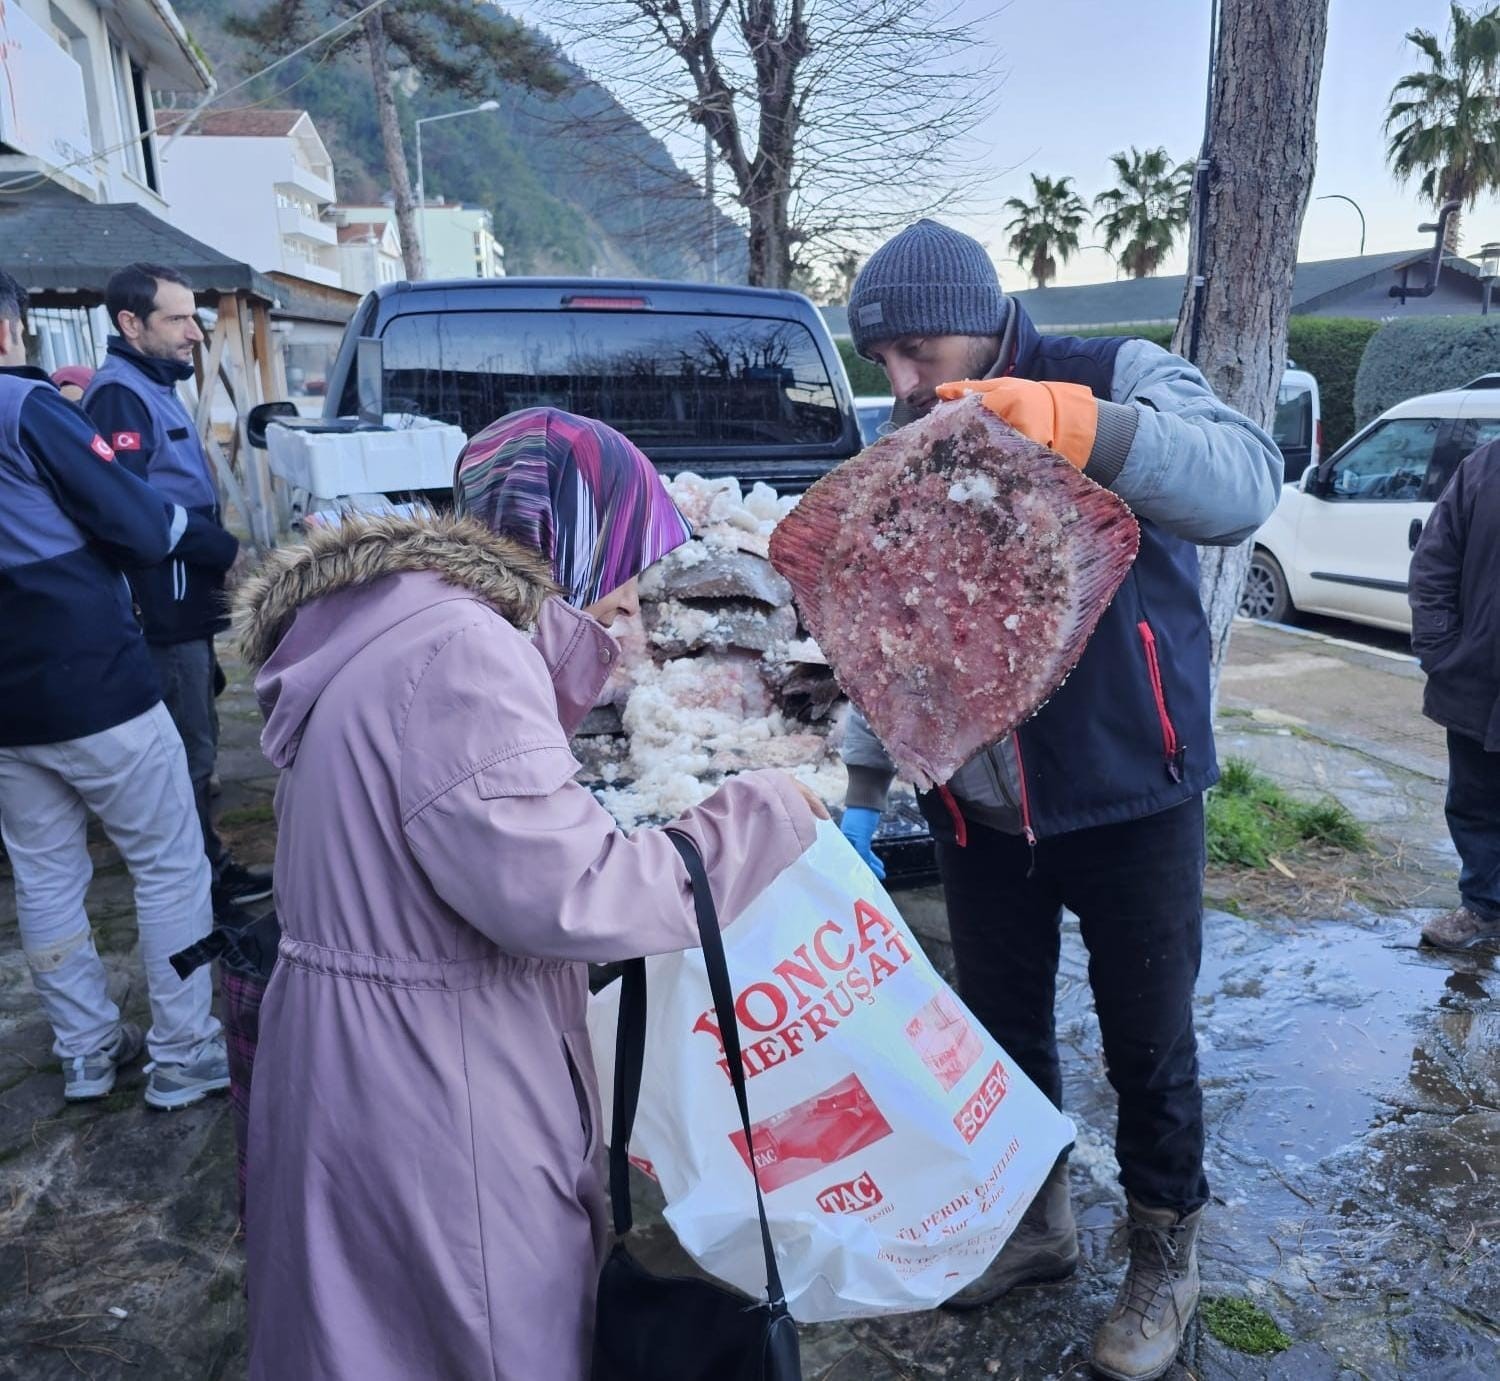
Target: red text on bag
[852, 1196]
[809, 992]
[980, 1105]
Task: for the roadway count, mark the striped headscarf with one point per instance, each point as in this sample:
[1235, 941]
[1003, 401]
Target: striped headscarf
[574, 490]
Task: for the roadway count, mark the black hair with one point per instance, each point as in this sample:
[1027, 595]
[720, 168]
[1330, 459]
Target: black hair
[133, 289]
[13, 299]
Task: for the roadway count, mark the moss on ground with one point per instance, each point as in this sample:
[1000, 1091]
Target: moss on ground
[264, 814]
[1251, 819]
[1238, 1324]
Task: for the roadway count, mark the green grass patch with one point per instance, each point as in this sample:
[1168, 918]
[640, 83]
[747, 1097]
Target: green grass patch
[1238, 1324]
[248, 815]
[1251, 819]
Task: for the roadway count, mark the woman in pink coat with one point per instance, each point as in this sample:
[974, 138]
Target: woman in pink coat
[425, 1198]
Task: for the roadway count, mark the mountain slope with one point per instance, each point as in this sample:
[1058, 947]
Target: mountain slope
[575, 184]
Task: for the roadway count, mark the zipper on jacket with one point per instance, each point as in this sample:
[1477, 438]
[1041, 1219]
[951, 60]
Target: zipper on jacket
[960, 825]
[1026, 829]
[1173, 751]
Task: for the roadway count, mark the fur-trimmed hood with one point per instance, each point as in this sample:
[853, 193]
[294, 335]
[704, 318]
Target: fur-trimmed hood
[315, 606]
[362, 550]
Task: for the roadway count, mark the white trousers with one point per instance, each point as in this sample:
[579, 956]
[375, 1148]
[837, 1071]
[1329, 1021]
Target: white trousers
[134, 777]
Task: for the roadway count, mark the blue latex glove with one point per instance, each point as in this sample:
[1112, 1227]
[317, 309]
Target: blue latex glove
[858, 827]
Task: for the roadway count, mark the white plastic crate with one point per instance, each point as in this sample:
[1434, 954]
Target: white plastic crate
[417, 453]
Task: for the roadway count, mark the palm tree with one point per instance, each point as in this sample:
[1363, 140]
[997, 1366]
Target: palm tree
[1145, 209]
[1046, 229]
[1444, 122]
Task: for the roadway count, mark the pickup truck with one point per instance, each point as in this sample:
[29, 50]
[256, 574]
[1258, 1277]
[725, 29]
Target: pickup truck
[720, 380]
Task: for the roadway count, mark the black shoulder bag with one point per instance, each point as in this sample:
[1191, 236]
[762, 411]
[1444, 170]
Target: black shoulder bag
[676, 1328]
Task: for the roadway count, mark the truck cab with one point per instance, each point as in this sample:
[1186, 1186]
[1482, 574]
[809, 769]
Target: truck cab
[716, 379]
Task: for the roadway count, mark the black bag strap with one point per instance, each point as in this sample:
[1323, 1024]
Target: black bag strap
[630, 1047]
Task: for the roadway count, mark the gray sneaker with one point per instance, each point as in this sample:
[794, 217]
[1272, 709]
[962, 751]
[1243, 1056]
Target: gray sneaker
[182, 1085]
[86, 1077]
[1459, 930]
[1042, 1249]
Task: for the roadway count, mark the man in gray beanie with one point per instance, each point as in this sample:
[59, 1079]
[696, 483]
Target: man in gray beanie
[1096, 804]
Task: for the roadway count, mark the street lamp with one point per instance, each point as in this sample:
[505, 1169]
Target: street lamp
[1489, 270]
[421, 185]
[1339, 196]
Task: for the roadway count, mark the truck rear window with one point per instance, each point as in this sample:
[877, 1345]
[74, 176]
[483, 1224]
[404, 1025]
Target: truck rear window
[666, 381]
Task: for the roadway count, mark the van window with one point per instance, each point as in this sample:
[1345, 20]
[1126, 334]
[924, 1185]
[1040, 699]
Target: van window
[1293, 427]
[1389, 463]
[668, 381]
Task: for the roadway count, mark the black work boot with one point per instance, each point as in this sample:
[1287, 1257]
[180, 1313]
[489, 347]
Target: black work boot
[1140, 1338]
[1044, 1247]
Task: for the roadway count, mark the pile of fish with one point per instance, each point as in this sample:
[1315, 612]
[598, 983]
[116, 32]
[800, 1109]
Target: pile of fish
[952, 574]
[716, 675]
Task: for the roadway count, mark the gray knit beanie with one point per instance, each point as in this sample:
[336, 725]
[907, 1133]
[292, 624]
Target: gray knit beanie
[926, 281]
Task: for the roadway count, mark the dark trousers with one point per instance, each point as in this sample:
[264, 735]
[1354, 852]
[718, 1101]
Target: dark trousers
[1137, 889]
[1473, 810]
[186, 673]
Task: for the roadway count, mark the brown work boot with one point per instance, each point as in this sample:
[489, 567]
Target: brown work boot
[1459, 929]
[1044, 1247]
[1140, 1338]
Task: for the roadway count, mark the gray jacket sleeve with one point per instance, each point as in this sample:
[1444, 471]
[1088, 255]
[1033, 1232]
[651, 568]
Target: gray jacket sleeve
[1178, 456]
[871, 770]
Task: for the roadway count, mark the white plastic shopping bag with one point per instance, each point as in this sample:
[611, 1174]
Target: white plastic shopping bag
[897, 1144]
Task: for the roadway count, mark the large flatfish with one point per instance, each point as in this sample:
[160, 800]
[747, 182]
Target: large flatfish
[952, 575]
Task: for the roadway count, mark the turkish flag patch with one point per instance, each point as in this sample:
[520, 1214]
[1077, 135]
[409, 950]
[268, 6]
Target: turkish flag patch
[100, 447]
[127, 441]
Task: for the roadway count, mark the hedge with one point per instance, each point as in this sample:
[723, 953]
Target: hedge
[1424, 355]
[1329, 348]
[864, 377]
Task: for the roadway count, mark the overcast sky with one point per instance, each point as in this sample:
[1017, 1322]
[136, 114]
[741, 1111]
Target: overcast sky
[1138, 76]
[1084, 78]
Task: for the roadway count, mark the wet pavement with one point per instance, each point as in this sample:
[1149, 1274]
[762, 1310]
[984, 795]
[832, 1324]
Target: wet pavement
[1352, 1087]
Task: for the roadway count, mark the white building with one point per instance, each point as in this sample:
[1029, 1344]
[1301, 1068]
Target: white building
[369, 254]
[78, 84]
[77, 94]
[458, 241]
[258, 185]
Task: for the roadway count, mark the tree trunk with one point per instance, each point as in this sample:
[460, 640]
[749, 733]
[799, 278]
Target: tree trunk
[394, 146]
[770, 247]
[1247, 216]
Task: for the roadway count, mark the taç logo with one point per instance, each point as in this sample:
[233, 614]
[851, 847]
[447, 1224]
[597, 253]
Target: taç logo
[853, 1196]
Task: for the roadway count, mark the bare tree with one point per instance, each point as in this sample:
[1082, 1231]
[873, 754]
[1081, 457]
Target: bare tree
[1252, 187]
[835, 119]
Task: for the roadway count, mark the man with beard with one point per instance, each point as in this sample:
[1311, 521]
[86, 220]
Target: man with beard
[133, 401]
[1096, 804]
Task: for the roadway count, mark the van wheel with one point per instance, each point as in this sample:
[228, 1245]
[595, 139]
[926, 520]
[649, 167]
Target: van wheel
[1265, 595]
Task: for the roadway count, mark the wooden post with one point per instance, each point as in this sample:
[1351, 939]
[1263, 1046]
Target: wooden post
[208, 381]
[240, 385]
[253, 461]
[272, 387]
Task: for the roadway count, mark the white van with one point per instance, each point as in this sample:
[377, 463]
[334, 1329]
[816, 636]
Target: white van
[1341, 539]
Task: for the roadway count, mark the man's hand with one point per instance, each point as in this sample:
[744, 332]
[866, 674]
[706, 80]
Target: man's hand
[858, 827]
[1062, 417]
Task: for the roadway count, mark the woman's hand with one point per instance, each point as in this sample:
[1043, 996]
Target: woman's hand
[814, 801]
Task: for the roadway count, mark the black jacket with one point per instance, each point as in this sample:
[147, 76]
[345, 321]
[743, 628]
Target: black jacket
[1455, 601]
[73, 662]
[133, 401]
